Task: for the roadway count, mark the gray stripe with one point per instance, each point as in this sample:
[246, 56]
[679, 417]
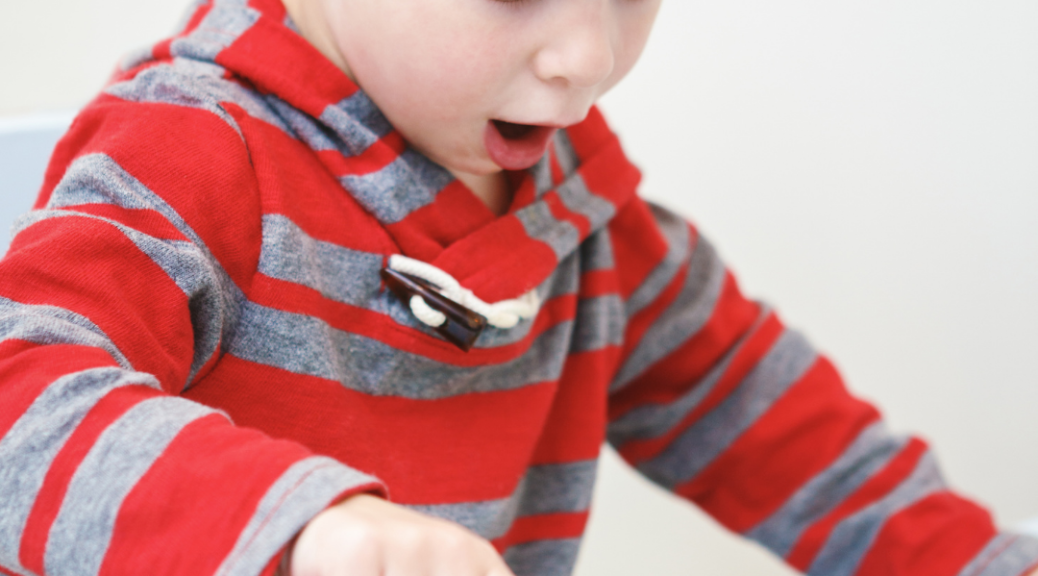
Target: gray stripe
[542, 176]
[405, 185]
[29, 448]
[577, 198]
[599, 323]
[316, 136]
[565, 154]
[543, 557]
[852, 538]
[700, 445]
[596, 252]
[52, 325]
[686, 316]
[544, 489]
[870, 452]
[676, 231]
[1005, 555]
[490, 518]
[357, 121]
[540, 224]
[339, 273]
[227, 20]
[195, 84]
[187, 267]
[98, 179]
[122, 454]
[306, 345]
[561, 282]
[352, 277]
[303, 491]
[552, 488]
[653, 420]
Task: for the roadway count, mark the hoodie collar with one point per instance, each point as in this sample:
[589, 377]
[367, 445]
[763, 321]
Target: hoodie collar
[575, 190]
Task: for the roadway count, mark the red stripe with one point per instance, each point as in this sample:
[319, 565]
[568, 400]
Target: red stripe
[429, 230]
[638, 246]
[160, 51]
[669, 379]
[279, 61]
[134, 134]
[802, 434]
[561, 212]
[609, 175]
[27, 369]
[499, 261]
[557, 175]
[55, 484]
[284, 166]
[196, 18]
[745, 360]
[599, 283]
[298, 299]
[150, 222]
[558, 526]
[883, 482]
[272, 9]
[154, 332]
[524, 190]
[642, 320]
[188, 510]
[456, 449]
[936, 536]
[590, 135]
[575, 429]
[379, 155]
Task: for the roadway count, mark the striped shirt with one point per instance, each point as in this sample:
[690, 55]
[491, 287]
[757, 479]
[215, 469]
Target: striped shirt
[197, 354]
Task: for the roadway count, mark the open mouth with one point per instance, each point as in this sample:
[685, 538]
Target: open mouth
[512, 131]
[516, 146]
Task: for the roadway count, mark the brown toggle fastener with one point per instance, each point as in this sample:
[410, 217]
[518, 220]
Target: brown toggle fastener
[462, 327]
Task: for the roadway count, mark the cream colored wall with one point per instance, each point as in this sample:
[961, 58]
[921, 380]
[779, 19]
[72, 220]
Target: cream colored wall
[869, 168]
[56, 54]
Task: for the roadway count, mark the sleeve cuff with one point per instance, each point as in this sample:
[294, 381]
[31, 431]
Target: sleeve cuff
[303, 491]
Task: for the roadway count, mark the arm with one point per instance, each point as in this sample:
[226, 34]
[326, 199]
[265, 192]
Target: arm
[114, 297]
[718, 401]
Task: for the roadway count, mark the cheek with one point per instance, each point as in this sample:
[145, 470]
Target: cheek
[438, 75]
[633, 36]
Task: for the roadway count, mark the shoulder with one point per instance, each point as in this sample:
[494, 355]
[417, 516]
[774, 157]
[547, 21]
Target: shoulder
[168, 138]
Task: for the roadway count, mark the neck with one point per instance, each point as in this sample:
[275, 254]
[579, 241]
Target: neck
[312, 24]
[492, 189]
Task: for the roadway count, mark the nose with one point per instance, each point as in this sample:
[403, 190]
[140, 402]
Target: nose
[581, 49]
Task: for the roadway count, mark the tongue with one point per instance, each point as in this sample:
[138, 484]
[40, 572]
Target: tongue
[516, 146]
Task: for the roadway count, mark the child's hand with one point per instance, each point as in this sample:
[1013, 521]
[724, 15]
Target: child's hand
[367, 536]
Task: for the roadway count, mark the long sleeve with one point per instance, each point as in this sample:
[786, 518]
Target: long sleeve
[721, 403]
[116, 295]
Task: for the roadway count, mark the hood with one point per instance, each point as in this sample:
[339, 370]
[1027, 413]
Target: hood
[576, 189]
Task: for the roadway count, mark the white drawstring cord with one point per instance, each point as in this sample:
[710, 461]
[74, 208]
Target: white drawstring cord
[503, 314]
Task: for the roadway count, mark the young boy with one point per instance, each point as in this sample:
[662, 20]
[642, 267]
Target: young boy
[352, 287]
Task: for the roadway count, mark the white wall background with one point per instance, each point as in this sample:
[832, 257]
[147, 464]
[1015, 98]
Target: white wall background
[869, 168]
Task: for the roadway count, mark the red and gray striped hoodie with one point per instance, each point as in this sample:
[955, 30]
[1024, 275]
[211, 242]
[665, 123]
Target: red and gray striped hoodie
[198, 352]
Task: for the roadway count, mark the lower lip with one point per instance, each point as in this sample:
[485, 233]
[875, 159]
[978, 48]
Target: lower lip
[517, 153]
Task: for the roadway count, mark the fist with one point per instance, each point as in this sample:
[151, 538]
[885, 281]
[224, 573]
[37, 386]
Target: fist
[367, 536]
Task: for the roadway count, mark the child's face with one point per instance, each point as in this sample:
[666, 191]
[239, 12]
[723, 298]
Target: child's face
[443, 70]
